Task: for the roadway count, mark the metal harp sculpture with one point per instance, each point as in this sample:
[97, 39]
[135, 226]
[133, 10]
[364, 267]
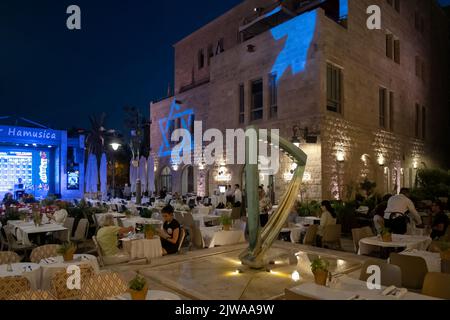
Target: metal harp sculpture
[260, 240]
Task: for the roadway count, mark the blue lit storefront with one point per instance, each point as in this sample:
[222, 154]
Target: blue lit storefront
[46, 161]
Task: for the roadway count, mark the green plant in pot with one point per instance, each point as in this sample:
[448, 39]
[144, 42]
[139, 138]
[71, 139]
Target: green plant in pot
[226, 222]
[149, 231]
[138, 288]
[67, 250]
[320, 269]
[386, 235]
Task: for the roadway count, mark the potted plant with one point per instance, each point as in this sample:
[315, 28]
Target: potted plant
[386, 235]
[226, 222]
[138, 288]
[67, 250]
[149, 231]
[37, 218]
[319, 268]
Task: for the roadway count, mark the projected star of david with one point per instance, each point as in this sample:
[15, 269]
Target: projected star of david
[298, 34]
[185, 117]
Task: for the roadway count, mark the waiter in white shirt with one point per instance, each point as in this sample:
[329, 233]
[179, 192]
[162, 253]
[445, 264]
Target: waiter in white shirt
[237, 196]
[399, 209]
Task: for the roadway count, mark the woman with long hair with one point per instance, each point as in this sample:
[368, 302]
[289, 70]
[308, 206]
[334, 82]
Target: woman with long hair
[328, 218]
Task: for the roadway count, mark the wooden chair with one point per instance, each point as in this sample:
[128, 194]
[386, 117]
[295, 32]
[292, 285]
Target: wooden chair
[332, 236]
[9, 257]
[445, 266]
[103, 260]
[413, 269]
[33, 295]
[59, 283]
[69, 223]
[3, 241]
[10, 286]
[103, 285]
[181, 240]
[13, 245]
[356, 236]
[310, 236]
[437, 285]
[43, 252]
[391, 275]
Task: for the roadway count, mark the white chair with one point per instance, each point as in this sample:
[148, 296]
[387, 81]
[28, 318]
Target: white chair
[81, 232]
[103, 260]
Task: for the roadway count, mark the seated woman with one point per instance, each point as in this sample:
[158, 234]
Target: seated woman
[108, 236]
[328, 218]
[170, 234]
[440, 221]
[59, 216]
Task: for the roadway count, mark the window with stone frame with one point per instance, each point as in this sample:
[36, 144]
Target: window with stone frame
[273, 95]
[241, 103]
[334, 88]
[257, 101]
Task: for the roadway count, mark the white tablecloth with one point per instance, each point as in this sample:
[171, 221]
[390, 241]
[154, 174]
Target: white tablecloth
[143, 248]
[346, 288]
[131, 222]
[227, 238]
[100, 217]
[50, 266]
[221, 212]
[202, 218]
[368, 245]
[152, 295]
[201, 210]
[31, 271]
[296, 233]
[208, 233]
[23, 229]
[432, 259]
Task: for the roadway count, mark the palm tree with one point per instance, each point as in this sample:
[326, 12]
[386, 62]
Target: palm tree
[95, 139]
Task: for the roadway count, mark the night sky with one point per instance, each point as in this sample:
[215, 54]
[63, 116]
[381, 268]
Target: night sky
[122, 56]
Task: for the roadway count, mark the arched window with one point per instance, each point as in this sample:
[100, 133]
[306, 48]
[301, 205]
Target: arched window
[166, 179]
[187, 180]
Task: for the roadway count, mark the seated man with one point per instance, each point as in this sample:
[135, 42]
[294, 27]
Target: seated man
[108, 236]
[170, 234]
[440, 221]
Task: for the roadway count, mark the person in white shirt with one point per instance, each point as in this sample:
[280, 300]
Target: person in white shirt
[237, 196]
[328, 218]
[399, 208]
[59, 216]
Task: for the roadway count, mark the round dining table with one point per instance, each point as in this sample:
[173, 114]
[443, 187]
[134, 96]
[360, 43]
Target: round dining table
[152, 295]
[31, 271]
[50, 266]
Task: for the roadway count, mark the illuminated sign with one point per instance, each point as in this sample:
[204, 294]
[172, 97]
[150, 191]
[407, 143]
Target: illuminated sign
[32, 133]
[185, 117]
[298, 34]
[73, 180]
[43, 168]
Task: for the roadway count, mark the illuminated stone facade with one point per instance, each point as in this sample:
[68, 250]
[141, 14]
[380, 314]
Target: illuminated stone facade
[212, 63]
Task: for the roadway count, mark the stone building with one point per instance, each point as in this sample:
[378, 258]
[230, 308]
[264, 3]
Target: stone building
[364, 104]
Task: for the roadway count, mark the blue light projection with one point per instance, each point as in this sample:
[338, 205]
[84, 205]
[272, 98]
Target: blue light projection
[186, 117]
[343, 9]
[298, 34]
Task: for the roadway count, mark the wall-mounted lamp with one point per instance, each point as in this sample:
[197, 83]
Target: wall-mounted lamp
[115, 146]
[415, 164]
[340, 156]
[381, 160]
